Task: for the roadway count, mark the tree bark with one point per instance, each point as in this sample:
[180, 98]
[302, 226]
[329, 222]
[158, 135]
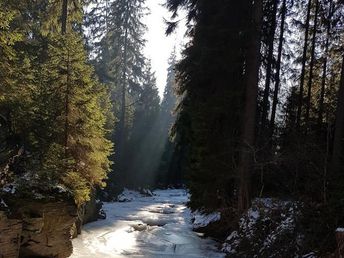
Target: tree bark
[269, 69]
[64, 16]
[248, 133]
[339, 125]
[124, 88]
[121, 140]
[311, 67]
[278, 69]
[324, 72]
[303, 69]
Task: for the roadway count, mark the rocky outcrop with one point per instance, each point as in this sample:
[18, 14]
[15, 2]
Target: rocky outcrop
[37, 228]
[91, 209]
[10, 232]
[88, 212]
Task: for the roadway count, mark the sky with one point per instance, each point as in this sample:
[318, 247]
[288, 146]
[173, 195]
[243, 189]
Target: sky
[159, 46]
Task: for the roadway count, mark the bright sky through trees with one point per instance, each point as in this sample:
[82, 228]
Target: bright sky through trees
[159, 46]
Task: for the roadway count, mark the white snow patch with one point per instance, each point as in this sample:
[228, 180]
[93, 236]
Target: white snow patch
[202, 220]
[2, 203]
[231, 242]
[38, 196]
[128, 195]
[310, 255]
[232, 236]
[147, 192]
[61, 188]
[9, 189]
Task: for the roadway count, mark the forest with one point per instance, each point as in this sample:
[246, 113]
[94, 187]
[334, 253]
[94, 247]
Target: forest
[241, 153]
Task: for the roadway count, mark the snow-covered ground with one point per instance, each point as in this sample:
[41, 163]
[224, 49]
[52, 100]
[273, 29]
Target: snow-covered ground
[152, 227]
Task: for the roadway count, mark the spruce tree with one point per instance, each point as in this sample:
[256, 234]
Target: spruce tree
[144, 145]
[210, 104]
[55, 105]
[170, 166]
[16, 82]
[116, 41]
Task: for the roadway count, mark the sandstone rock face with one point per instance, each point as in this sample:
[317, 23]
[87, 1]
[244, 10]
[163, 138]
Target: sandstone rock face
[10, 232]
[37, 229]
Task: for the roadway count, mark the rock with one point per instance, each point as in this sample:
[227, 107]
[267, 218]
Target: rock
[74, 231]
[33, 228]
[139, 227]
[101, 214]
[10, 232]
[91, 210]
[146, 192]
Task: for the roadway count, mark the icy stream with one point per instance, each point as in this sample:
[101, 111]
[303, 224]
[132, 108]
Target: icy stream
[158, 226]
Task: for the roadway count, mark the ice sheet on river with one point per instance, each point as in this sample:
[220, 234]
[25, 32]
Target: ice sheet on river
[157, 226]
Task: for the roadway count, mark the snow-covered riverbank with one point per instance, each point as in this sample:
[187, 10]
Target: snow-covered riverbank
[157, 226]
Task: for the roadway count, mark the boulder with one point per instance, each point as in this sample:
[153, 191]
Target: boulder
[91, 209]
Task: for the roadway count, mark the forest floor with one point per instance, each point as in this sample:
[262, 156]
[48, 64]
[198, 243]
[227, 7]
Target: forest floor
[145, 226]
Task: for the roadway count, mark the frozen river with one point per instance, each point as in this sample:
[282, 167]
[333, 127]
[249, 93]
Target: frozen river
[157, 226]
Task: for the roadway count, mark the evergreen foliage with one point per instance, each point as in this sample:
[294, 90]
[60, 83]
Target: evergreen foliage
[299, 156]
[116, 42]
[210, 104]
[254, 108]
[170, 169]
[54, 107]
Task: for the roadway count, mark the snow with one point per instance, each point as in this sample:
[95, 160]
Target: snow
[310, 255]
[128, 195]
[9, 188]
[202, 220]
[341, 230]
[263, 227]
[145, 226]
[3, 204]
[61, 189]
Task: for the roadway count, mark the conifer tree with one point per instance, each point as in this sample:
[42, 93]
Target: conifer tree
[278, 67]
[117, 45]
[66, 131]
[144, 142]
[303, 70]
[16, 81]
[169, 98]
[170, 167]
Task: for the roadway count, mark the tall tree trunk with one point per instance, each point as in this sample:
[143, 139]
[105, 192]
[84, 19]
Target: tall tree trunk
[303, 69]
[248, 133]
[311, 67]
[271, 40]
[339, 125]
[278, 68]
[124, 88]
[324, 72]
[64, 18]
[122, 122]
